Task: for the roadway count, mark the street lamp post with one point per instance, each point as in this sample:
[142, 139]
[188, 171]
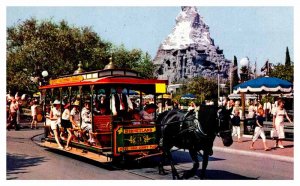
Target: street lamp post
[244, 77]
[39, 78]
[218, 85]
[222, 85]
[218, 80]
[45, 75]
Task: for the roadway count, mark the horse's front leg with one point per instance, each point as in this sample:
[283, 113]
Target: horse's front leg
[161, 169]
[174, 171]
[204, 164]
[192, 172]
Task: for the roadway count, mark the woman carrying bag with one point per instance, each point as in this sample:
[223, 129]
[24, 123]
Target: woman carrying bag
[278, 124]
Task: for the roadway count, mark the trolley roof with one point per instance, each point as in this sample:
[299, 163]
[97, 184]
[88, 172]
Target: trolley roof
[111, 78]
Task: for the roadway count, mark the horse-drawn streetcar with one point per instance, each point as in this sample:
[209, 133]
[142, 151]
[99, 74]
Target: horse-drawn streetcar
[111, 123]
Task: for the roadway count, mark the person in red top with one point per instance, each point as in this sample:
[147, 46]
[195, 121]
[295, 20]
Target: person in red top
[259, 129]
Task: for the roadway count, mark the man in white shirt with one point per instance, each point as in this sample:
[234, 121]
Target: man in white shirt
[120, 104]
[267, 109]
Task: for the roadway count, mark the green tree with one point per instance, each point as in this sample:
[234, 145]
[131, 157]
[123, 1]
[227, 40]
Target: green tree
[34, 46]
[203, 88]
[145, 66]
[287, 57]
[283, 72]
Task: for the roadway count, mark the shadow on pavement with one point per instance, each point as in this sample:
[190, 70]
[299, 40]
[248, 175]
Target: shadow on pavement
[179, 157]
[224, 175]
[17, 164]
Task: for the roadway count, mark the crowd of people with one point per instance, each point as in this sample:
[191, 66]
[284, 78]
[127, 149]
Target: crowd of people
[71, 120]
[259, 113]
[14, 109]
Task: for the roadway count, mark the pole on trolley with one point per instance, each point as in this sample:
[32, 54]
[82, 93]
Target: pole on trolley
[60, 99]
[80, 98]
[92, 106]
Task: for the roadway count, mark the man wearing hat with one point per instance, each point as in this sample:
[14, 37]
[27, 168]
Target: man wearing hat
[148, 112]
[75, 115]
[55, 117]
[120, 104]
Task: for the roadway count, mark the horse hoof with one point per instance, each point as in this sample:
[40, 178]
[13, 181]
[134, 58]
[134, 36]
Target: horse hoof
[201, 177]
[162, 173]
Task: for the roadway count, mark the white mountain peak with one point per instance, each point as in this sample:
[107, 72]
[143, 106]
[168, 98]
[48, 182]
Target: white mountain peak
[189, 29]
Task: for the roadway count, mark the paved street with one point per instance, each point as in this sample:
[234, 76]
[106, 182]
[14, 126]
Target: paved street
[28, 161]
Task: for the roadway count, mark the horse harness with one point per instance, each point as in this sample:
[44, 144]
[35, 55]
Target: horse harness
[195, 127]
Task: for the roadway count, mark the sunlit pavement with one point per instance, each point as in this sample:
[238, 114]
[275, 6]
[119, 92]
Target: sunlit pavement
[286, 154]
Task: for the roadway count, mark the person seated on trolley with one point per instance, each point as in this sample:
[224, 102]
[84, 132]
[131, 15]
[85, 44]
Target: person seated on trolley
[75, 123]
[120, 104]
[148, 112]
[86, 124]
[98, 104]
[136, 117]
[75, 115]
[102, 110]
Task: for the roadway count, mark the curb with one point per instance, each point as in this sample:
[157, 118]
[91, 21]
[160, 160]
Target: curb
[255, 154]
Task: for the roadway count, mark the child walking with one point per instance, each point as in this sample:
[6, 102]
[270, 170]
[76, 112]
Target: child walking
[259, 130]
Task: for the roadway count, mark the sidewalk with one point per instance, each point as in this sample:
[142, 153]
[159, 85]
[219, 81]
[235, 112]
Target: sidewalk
[286, 154]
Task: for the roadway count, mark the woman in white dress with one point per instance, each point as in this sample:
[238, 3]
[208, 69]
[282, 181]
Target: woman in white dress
[278, 124]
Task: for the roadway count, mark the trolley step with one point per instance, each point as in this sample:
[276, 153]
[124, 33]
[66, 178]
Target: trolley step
[102, 158]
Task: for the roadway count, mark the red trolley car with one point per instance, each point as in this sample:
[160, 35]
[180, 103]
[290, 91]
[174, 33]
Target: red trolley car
[115, 137]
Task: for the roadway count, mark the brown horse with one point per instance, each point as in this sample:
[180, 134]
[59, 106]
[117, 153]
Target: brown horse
[184, 131]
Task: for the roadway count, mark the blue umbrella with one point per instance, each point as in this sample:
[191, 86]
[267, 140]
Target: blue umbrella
[264, 85]
[188, 96]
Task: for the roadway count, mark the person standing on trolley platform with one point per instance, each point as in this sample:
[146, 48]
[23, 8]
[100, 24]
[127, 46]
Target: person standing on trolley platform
[55, 117]
[120, 104]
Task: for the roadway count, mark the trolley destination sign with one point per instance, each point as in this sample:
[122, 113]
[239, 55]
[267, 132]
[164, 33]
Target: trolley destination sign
[134, 139]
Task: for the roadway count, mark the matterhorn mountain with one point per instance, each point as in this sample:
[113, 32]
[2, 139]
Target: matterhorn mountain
[189, 51]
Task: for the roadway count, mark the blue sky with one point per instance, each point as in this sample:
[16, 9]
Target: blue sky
[260, 33]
